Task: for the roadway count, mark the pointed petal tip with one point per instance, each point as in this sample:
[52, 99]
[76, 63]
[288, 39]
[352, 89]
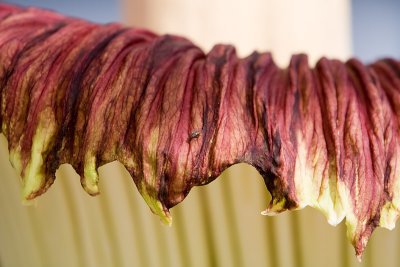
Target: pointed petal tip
[90, 179]
[360, 242]
[28, 202]
[389, 216]
[33, 185]
[269, 212]
[359, 257]
[91, 189]
[162, 212]
[359, 248]
[156, 206]
[166, 219]
[275, 207]
[273, 210]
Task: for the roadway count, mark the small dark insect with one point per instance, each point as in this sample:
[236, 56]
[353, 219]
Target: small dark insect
[194, 135]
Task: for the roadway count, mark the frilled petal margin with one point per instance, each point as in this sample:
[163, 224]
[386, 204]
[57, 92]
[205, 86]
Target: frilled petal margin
[87, 94]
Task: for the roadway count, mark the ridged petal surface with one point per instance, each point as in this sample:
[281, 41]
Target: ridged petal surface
[88, 94]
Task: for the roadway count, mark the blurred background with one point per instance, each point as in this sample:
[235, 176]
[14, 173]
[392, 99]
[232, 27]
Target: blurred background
[220, 224]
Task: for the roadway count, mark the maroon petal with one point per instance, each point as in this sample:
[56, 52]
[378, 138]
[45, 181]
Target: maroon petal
[87, 94]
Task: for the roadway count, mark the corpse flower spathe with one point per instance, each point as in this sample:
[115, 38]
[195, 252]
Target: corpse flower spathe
[87, 94]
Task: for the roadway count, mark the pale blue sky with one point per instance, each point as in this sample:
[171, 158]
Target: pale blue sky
[376, 28]
[94, 10]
